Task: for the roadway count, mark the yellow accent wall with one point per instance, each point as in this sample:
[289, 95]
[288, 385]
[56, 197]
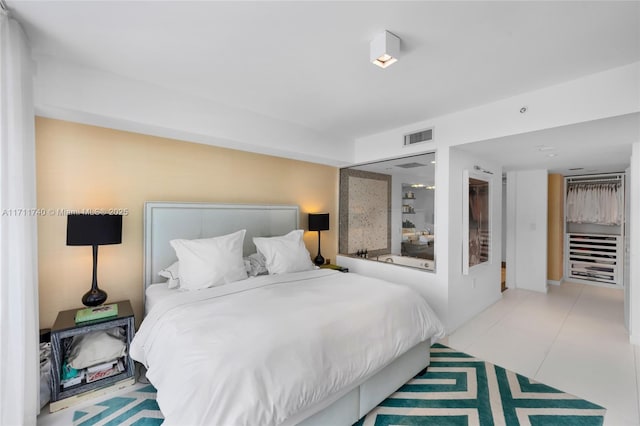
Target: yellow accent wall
[555, 227]
[88, 167]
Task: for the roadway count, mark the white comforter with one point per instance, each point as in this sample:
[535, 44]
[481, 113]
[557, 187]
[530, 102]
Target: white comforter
[258, 351]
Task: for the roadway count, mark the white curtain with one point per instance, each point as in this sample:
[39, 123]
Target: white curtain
[19, 336]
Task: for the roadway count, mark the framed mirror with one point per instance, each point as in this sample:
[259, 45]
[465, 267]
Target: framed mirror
[476, 234]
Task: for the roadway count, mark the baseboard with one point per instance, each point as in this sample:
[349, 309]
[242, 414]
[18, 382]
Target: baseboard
[554, 282]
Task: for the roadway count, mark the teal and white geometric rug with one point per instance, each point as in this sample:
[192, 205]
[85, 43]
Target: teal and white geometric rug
[457, 389]
[137, 408]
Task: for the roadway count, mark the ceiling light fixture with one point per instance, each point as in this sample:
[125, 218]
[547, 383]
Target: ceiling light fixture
[385, 49]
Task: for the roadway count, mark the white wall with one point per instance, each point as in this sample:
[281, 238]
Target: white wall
[456, 298]
[471, 294]
[424, 282]
[88, 96]
[503, 255]
[510, 225]
[607, 94]
[527, 223]
[634, 254]
[432, 285]
[626, 274]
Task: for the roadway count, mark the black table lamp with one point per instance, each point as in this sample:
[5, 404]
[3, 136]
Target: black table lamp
[318, 222]
[94, 230]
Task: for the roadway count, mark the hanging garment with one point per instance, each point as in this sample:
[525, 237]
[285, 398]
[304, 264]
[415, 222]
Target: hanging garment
[598, 203]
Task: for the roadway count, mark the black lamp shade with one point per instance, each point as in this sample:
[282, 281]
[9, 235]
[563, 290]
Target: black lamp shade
[93, 229]
[318, 221]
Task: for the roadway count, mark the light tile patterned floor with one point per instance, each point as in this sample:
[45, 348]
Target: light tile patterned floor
[572, 338]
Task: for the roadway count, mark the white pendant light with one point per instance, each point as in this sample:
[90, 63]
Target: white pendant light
[385, 49]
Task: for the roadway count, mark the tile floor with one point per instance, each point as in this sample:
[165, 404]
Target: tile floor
[572, 338]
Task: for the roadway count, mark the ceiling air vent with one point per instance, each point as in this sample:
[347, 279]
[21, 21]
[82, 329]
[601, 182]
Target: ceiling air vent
[410, 165]
[418, 137]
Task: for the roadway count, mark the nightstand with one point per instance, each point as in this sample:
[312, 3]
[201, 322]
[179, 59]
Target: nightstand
[62, 333]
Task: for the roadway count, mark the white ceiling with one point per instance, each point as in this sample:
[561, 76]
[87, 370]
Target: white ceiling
[598, 146]
[410, 170]
[307, 62]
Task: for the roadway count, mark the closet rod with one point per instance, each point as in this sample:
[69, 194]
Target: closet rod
[595, 181]
[595, 178]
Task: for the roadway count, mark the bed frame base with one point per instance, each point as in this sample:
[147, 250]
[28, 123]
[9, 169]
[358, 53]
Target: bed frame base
[349, 406]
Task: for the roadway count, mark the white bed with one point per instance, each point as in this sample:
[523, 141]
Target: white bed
[315, 347]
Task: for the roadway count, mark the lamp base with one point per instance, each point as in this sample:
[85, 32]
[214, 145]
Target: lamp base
[94, 297]
[319, 260]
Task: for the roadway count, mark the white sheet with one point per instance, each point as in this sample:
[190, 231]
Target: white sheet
[155, 293]
[255, 352]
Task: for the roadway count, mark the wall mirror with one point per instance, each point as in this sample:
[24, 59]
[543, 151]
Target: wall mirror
[405, 189]
[475, 220]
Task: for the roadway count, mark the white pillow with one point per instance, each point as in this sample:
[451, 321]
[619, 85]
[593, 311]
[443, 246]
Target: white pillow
[209, 262]
[172, 273]
[284, 254]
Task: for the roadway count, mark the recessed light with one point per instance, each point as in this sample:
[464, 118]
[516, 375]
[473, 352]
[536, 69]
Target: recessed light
[433, 162]
[551, 155]
[543, 148]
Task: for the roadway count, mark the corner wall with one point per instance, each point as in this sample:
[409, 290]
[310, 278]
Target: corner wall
[87, 167]
[527, 227]
[555, 229]
[471, 294]
[634, 255]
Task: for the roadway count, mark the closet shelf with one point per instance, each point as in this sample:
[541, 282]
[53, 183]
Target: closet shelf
[593, 247]
[594, 258]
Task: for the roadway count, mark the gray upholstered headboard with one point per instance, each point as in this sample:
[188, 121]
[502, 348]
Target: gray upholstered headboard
[165, 221]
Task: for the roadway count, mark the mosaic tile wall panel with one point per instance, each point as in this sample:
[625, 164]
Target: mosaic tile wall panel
[364, 212]
[368, 214]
